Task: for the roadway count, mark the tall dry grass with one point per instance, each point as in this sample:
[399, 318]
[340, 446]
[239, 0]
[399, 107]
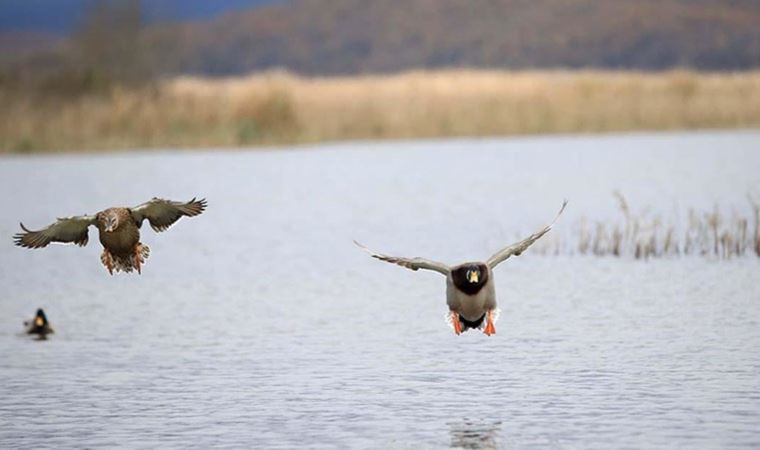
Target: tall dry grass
[643, 235]
[279, 108]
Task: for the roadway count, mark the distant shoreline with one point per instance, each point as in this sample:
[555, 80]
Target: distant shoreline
[276, 109]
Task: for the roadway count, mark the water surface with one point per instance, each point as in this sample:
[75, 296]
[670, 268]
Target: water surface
[259, 324]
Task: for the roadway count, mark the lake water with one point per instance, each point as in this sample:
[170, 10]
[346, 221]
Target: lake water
[259, 324]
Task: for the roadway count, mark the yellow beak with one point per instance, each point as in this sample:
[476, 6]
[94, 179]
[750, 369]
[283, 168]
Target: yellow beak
[39, 322]
[473, 276]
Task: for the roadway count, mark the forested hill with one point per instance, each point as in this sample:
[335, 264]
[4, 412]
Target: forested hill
[354, 36]
[368, 36]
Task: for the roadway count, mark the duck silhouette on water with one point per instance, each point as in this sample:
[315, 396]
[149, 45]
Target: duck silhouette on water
[39, 325]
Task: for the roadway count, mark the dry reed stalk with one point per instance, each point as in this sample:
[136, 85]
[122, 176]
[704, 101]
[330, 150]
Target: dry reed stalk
[617, 240]
[756, 214]
[584, 238]
[279, 108]
[707, 234]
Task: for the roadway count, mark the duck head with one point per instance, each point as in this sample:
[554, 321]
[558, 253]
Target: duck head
[109, 220]
[38, 325]
[470, 277]
[40, 319]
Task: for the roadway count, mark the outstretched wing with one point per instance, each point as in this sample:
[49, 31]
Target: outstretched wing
[517, 248]
[163, 213]
[409, 263]
[66, 229]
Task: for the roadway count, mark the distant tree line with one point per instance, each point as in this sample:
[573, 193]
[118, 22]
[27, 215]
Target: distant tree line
[108, 48]
[109, 42]
[114, 46]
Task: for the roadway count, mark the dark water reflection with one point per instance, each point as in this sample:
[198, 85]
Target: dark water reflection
[260, 325]
[475, 435]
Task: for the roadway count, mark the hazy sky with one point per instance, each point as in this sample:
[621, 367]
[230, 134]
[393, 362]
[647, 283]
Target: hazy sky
[60, 16]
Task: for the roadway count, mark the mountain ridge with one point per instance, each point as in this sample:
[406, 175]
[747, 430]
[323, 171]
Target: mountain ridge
[315, 37]
[366, 36]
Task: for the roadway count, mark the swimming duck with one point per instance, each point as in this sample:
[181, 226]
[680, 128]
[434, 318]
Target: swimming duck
[39, 325]
[119, 231]
[470, 292]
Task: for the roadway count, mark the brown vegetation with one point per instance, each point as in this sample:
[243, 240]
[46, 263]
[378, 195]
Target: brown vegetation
[278, 108]
[644, 236]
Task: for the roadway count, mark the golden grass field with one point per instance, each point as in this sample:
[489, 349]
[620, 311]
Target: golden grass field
[278, 108]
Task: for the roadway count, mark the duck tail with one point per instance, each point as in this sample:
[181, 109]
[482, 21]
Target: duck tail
[479, 324]
[124, 263]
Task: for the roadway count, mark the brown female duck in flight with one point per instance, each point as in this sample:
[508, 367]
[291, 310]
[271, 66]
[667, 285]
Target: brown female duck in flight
[470, 291]
[119, 230]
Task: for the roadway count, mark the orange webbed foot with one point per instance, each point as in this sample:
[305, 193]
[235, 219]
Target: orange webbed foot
[456, 323]
[138, 259]
[490, 327]
[107, 260]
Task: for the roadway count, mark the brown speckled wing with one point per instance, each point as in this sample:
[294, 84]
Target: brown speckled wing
[163, 213]
[65, 230]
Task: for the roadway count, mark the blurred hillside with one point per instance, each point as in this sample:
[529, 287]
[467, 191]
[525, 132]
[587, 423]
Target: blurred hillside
[353, 36]
[63, 16]
[369, 36]
[401, 69]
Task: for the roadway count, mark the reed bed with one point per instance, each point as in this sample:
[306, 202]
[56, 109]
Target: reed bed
[279, 108]
[644, 235]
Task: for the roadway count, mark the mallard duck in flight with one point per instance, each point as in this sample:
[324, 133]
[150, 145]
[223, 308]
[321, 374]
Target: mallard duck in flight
[119, 231]
[470, 292]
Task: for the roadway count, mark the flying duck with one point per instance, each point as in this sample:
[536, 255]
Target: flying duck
[119, 231]
[470, 292]
[39, 325]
